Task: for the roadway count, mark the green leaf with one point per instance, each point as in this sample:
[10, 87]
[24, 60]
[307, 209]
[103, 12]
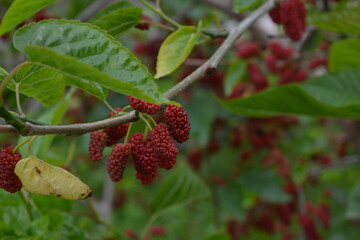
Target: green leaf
[39, 226]
[21, 10]
[353, 206]
[246, 5]
[218, 236]
[175, 49]
[344, 55]
[120, 20]
[316, 97]
[43, 84]
[342, 21]
[266, 183]
[201, 118]
[234, 74]
[117, 18]
[179, 187]
[111, 8]
[87, 55]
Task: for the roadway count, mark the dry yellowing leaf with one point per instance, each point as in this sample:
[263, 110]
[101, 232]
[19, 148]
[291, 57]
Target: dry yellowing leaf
[42, 178]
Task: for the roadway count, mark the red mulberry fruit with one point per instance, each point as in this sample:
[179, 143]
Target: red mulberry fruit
[144, 25]
[275, 14]
[97, 145]
[143, 106]
[8, 179]
[248, 50]
[317, 62]
[177, 120]
[143, 157]
[257, 77]
[279, 51]
[114, 134]
[293, 16]
[165, 150]
[308, 226]
[117, 161]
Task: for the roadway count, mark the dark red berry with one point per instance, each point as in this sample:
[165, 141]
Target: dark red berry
[248, 50]
[97, 145]
[293, 16]
[9, 181]
[165, 149]
[270, 61]
[143, 106]
[117, 161]
[143, 157]
[114, 134]
[257, 77]
[300, 76]
[144, 25]
[275, 15]
[157, 231]
[317, 62]
[308, 226]
[324, 214]
[194, 158]
[177, 120]
[279, 51]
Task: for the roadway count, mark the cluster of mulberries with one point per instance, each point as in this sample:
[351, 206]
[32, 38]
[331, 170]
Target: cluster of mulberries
[8, 179]
[148, 153]
[292, 14]
[106, 138]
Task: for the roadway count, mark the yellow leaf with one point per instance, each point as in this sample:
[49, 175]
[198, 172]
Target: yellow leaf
[42, 178]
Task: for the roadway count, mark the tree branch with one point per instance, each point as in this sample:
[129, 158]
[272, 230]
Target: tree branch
[212, 63]
[206, 68]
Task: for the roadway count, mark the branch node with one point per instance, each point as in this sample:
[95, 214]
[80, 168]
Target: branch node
[210, 70]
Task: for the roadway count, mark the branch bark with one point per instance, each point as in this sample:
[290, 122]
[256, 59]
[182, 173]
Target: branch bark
[206, 68]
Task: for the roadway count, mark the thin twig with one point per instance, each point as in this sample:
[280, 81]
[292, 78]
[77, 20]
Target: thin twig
[213, 62]
[159, 12]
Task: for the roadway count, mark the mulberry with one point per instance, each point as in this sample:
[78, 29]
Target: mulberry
[317, 62]
[8, 179]
[248, 50]
[279, 51]
[97, 145]
[177, 120]
[293, 16]
[114, 134]
[143, 157]
[144, 25]
[270, 61]
[165, 150]
[257, 77]
[143, 106]
[308, 226]
[117, 161]
[275, 15]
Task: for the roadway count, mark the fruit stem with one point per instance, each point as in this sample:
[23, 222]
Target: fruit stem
[20, 145]
[108, 105]
[30, 144]
[151, 119]
[141, 116]
[128, 133]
